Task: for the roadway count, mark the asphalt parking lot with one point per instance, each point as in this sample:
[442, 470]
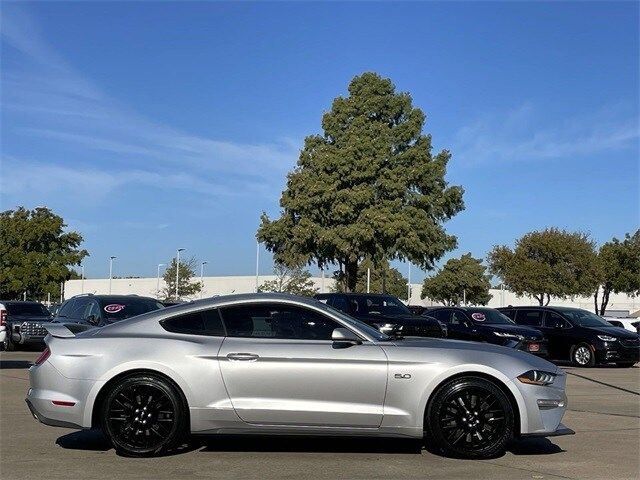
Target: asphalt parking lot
[604, 410]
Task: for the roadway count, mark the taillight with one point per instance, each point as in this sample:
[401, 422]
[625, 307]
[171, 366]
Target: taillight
[43, 356]
[3, 317]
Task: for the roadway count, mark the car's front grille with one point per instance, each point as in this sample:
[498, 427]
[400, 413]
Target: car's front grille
[33, 329]
[630, 342]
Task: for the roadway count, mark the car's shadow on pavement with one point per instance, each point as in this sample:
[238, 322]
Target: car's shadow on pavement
[94, 440]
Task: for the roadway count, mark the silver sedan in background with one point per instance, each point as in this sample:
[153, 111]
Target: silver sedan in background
[280, 364]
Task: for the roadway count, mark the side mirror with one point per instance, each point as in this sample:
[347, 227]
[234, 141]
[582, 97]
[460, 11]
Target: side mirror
[345, 336]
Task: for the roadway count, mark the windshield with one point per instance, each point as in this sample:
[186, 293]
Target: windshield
[584, 318]
[35, 309]
[122, 308]
[489, 316]
[369, 330]
[378, 305]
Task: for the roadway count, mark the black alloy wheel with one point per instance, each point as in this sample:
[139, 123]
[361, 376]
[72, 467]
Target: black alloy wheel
[470, 417]
[143, 415]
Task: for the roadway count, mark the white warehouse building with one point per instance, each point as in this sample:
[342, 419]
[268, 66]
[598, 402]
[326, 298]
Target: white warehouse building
[620, 305]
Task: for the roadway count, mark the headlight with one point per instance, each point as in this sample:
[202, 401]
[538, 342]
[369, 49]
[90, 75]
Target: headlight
[509, 335]
[537, 377]
[607, 338]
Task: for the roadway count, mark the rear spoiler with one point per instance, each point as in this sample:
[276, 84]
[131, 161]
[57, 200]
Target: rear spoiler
[65, 330]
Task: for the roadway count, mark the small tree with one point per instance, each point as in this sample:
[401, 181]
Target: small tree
[36, 252]
[383, 279]
[368, 186]
[619, 269]
[548, 263]
[296, 281]
[186, 287]
[460, 279]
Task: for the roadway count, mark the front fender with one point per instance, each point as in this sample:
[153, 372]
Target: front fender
[468, 370]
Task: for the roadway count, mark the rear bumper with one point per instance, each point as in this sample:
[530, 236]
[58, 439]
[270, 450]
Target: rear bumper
[49, 421]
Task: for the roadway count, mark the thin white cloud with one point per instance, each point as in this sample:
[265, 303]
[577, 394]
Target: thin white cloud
[517, 136]
[49, 101]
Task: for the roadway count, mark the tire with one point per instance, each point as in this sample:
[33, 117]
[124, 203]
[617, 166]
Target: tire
[469, 417]
[144, 415]
[625, 364]
[582, 355]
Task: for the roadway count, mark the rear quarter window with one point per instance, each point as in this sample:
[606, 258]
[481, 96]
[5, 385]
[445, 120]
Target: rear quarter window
[196, 323]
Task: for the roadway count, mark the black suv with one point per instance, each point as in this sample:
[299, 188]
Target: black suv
[100, 310]
[24, 324]
[384, 312]
[483, 324]
[580, 336]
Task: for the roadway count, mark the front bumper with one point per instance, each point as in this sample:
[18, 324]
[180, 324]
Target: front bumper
[544, 407]
[24, 339]
[616, 352]
[561, 430]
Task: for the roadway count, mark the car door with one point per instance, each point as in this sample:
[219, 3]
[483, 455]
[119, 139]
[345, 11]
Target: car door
[559, 334]
[463, 326]
[280, 367]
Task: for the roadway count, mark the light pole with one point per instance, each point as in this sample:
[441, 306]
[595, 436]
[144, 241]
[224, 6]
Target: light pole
[111, 259]
[158, 281]
[368, 280]
[178, 269]
[202, 276]
[82, 281]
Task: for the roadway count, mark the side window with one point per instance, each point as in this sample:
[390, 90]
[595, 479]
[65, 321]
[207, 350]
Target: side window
[532, 318]
[340, 303]
[277, 321]
[79, 307]
[65, 308]
[615, 323]
[195, 323]
[553, 320]
[458, 318]
[509, 313]
[94, 309]
[442, 315]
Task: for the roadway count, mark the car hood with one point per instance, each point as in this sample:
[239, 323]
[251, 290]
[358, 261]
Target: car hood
[29, 318]
[613, 331]
[527, 332]
[404, 319]
[437, 350]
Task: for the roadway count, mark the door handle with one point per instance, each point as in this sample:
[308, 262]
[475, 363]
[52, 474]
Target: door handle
[246, 357]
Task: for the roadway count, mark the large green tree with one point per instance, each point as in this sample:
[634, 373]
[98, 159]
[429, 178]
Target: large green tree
[36, 253]
[382, 279]
[461, 279]
[547, 263]
[186, 286]
[619, 269]
[294, 280]
[369, 186]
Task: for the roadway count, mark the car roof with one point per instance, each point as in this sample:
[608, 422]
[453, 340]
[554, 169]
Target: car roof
[20, 302]
[113, 297]
[355, 294]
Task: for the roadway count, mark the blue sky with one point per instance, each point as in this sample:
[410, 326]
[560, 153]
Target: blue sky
[152, 126]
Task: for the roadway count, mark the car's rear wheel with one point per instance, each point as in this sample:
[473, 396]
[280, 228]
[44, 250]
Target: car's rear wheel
[470, 417]
[582, 355]
[144, 415]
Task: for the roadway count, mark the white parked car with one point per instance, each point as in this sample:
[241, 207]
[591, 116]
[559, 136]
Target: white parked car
[630, 323]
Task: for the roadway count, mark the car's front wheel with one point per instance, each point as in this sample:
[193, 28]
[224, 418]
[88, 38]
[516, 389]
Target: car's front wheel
[144, 415]
[470, 417]
[7, 344]
[582, 355]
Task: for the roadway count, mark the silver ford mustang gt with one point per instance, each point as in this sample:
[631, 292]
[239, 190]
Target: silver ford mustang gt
[279, 364]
